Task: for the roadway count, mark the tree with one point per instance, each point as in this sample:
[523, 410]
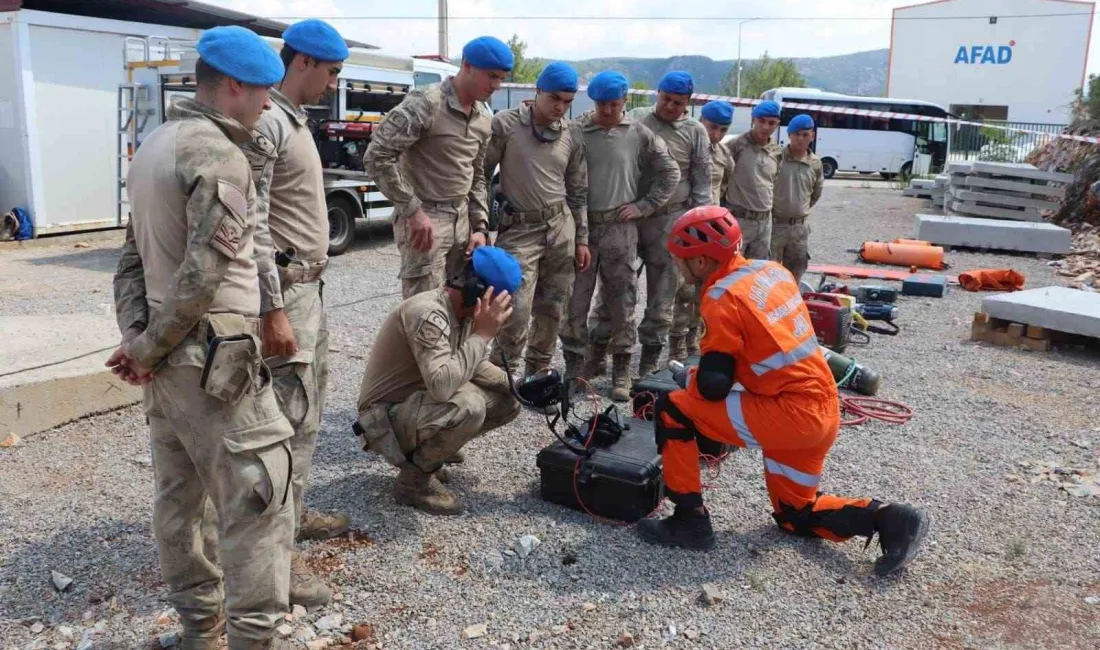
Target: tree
[638, 101]
[524, 71]
[1086, 106]
[764, 74]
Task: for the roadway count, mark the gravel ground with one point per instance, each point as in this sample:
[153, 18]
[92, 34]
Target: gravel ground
[1008, 564]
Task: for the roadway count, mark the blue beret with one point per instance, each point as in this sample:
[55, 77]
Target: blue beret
[317, 39]
[497, 268]
[800, 123]
[676, 82]
[766, 109]
[557, 77]
[720, 113]
[608, 86]
[489, 53]
[239, 53]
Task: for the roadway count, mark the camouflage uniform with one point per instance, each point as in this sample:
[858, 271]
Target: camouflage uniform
[188, 273]
[618, 158]
[689, 146]
[544, 218]
[429, 388]
[685, 311]
[797, 189]
[429, 154]
[751, 191]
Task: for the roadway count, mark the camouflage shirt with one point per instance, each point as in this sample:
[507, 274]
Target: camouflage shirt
[537, 172]
[721, 170]
[798, 185]
[689, 145]
[755, 167]
[618, 158]
[430, 149]
[189, 246]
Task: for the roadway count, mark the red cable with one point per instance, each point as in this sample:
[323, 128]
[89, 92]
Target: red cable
[870, 408]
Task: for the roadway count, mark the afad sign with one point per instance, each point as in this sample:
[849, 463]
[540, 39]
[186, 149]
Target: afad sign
[985, 54]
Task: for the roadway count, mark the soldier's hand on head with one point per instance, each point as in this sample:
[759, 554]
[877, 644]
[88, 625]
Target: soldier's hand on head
[278, 335]
[584, 257]
[492, 311]
[629, 212]
[477, 239]
[419, 227]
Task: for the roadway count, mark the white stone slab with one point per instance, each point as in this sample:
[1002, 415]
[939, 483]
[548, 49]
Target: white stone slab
[1056, 308]
[1019, 170]
[1003, 199]
[975, 210]
[923, 183]
[1022, 186]
[994, 234]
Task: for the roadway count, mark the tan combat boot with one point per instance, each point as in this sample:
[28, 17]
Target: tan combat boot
[322, 525]
[596, 362]
[620, 377]
[692, 342]
[424, 491]
[647, 364]
[574, 365]
[306, 589]
[677, 347]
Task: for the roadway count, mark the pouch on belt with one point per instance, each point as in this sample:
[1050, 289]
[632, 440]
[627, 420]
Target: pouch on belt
[233, 360]
[375, 427]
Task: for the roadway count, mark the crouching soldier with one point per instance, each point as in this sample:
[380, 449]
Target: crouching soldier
[429, 387]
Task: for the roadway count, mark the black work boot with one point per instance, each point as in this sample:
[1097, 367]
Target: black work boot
[686, 528]
[900, 528]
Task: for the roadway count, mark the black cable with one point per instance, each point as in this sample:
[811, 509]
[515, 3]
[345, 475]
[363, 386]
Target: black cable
[58, 363]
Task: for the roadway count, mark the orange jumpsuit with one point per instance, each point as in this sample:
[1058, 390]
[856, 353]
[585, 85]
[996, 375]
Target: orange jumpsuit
[786, 403]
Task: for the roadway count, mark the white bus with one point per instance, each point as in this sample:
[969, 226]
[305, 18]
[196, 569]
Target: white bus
[860, 143]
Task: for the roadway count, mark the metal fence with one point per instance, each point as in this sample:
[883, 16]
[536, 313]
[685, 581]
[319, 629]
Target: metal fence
[988, 143]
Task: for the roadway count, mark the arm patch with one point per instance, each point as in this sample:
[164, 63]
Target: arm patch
[431, 328]
[227, 237]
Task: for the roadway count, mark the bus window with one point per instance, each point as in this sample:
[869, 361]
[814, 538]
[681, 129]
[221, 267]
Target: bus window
[939, 132]
[421, 79]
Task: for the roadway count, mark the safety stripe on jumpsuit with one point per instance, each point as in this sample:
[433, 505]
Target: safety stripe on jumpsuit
[725, 283]
[802, 478]
[737, 419]
[783, 359]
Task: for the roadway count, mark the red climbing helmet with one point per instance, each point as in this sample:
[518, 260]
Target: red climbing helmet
[709, 230]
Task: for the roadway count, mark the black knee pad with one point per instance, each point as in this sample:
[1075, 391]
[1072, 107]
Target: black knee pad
[661, 431]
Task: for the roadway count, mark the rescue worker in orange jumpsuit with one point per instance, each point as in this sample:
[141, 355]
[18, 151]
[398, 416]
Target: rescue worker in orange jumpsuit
[762, 383]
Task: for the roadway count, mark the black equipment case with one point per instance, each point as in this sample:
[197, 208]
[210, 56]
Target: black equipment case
[621, 481]
[646, 390]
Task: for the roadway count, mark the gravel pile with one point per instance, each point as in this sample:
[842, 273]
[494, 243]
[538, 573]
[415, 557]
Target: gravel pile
[1009, 563]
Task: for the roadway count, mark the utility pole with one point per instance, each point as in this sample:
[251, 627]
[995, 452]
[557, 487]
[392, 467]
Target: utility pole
[739, 66]
[444, 48]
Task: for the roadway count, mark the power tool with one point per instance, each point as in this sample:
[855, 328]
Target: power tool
[876, 294]
[881, 312]
[831, 319]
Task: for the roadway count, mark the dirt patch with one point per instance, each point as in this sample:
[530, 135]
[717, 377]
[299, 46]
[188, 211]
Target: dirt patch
[1042, 404]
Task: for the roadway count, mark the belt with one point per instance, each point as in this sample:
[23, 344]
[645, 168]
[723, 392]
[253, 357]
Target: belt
[741, 213]
[203, 332]
[793, 221]
[603, 216]
[446, 203]
[669, 208]
[513, 217]
[299, 272]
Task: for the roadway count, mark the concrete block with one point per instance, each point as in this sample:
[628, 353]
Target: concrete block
[1057, 308]
[998, 235]
[1019, 170]
[998, 199]
[917, 192]
[975, 210]
[1021, 186]
[922, 183]
[77, 384]
[964, 167]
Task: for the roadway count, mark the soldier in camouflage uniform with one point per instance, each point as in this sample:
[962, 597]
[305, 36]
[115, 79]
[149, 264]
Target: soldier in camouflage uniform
[689, 146]
[683, 339]
[620, 151]
[290, 196]
[797, 189]
[428, 158]
[429, 387]
[188, 301]
[756, 163]
[544, 221]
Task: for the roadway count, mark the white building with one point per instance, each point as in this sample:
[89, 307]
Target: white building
[1018, 60]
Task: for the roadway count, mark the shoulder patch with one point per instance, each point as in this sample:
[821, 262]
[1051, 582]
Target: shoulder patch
[432, 327]
[227, 237]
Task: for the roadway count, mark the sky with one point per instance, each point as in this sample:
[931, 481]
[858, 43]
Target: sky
[635, 28]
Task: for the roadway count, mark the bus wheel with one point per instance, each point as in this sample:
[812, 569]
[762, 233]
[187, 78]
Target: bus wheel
[341, 225]
[828, 166]
[887, 176]
[906, 170]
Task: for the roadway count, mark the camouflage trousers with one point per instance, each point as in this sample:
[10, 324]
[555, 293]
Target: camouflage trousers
[237, 458]
[614, 249]
[790, 245]
[546, 252]
[661, 280]
[428, 431]
[300, 380]
[756, 232]
[451, 233]
[685, 311]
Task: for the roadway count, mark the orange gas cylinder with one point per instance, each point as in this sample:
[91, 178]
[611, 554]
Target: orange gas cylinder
[915, 242]
[925, 257]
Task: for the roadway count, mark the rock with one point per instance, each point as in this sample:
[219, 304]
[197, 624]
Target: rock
[514, 637]
[318, 644]
[338, 597]
[85, 644]
[691, 634]
[588, 607]
[330, 622]
[60, 581]
[669, 633]
[711, 594]
[82, 244]
[169, 639]
[305, 634]
[284, 630]
[362, 632]
[10, 440]
[1092, 600]
[37, 627]
[65, 631]
[509, 552]
[475, 631]
[166, 617]
[625, 640]
[144, 461]
[559, 629]
[526, 545]
[298, 611]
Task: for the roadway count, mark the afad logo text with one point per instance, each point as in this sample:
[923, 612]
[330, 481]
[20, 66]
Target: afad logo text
[985, 54]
